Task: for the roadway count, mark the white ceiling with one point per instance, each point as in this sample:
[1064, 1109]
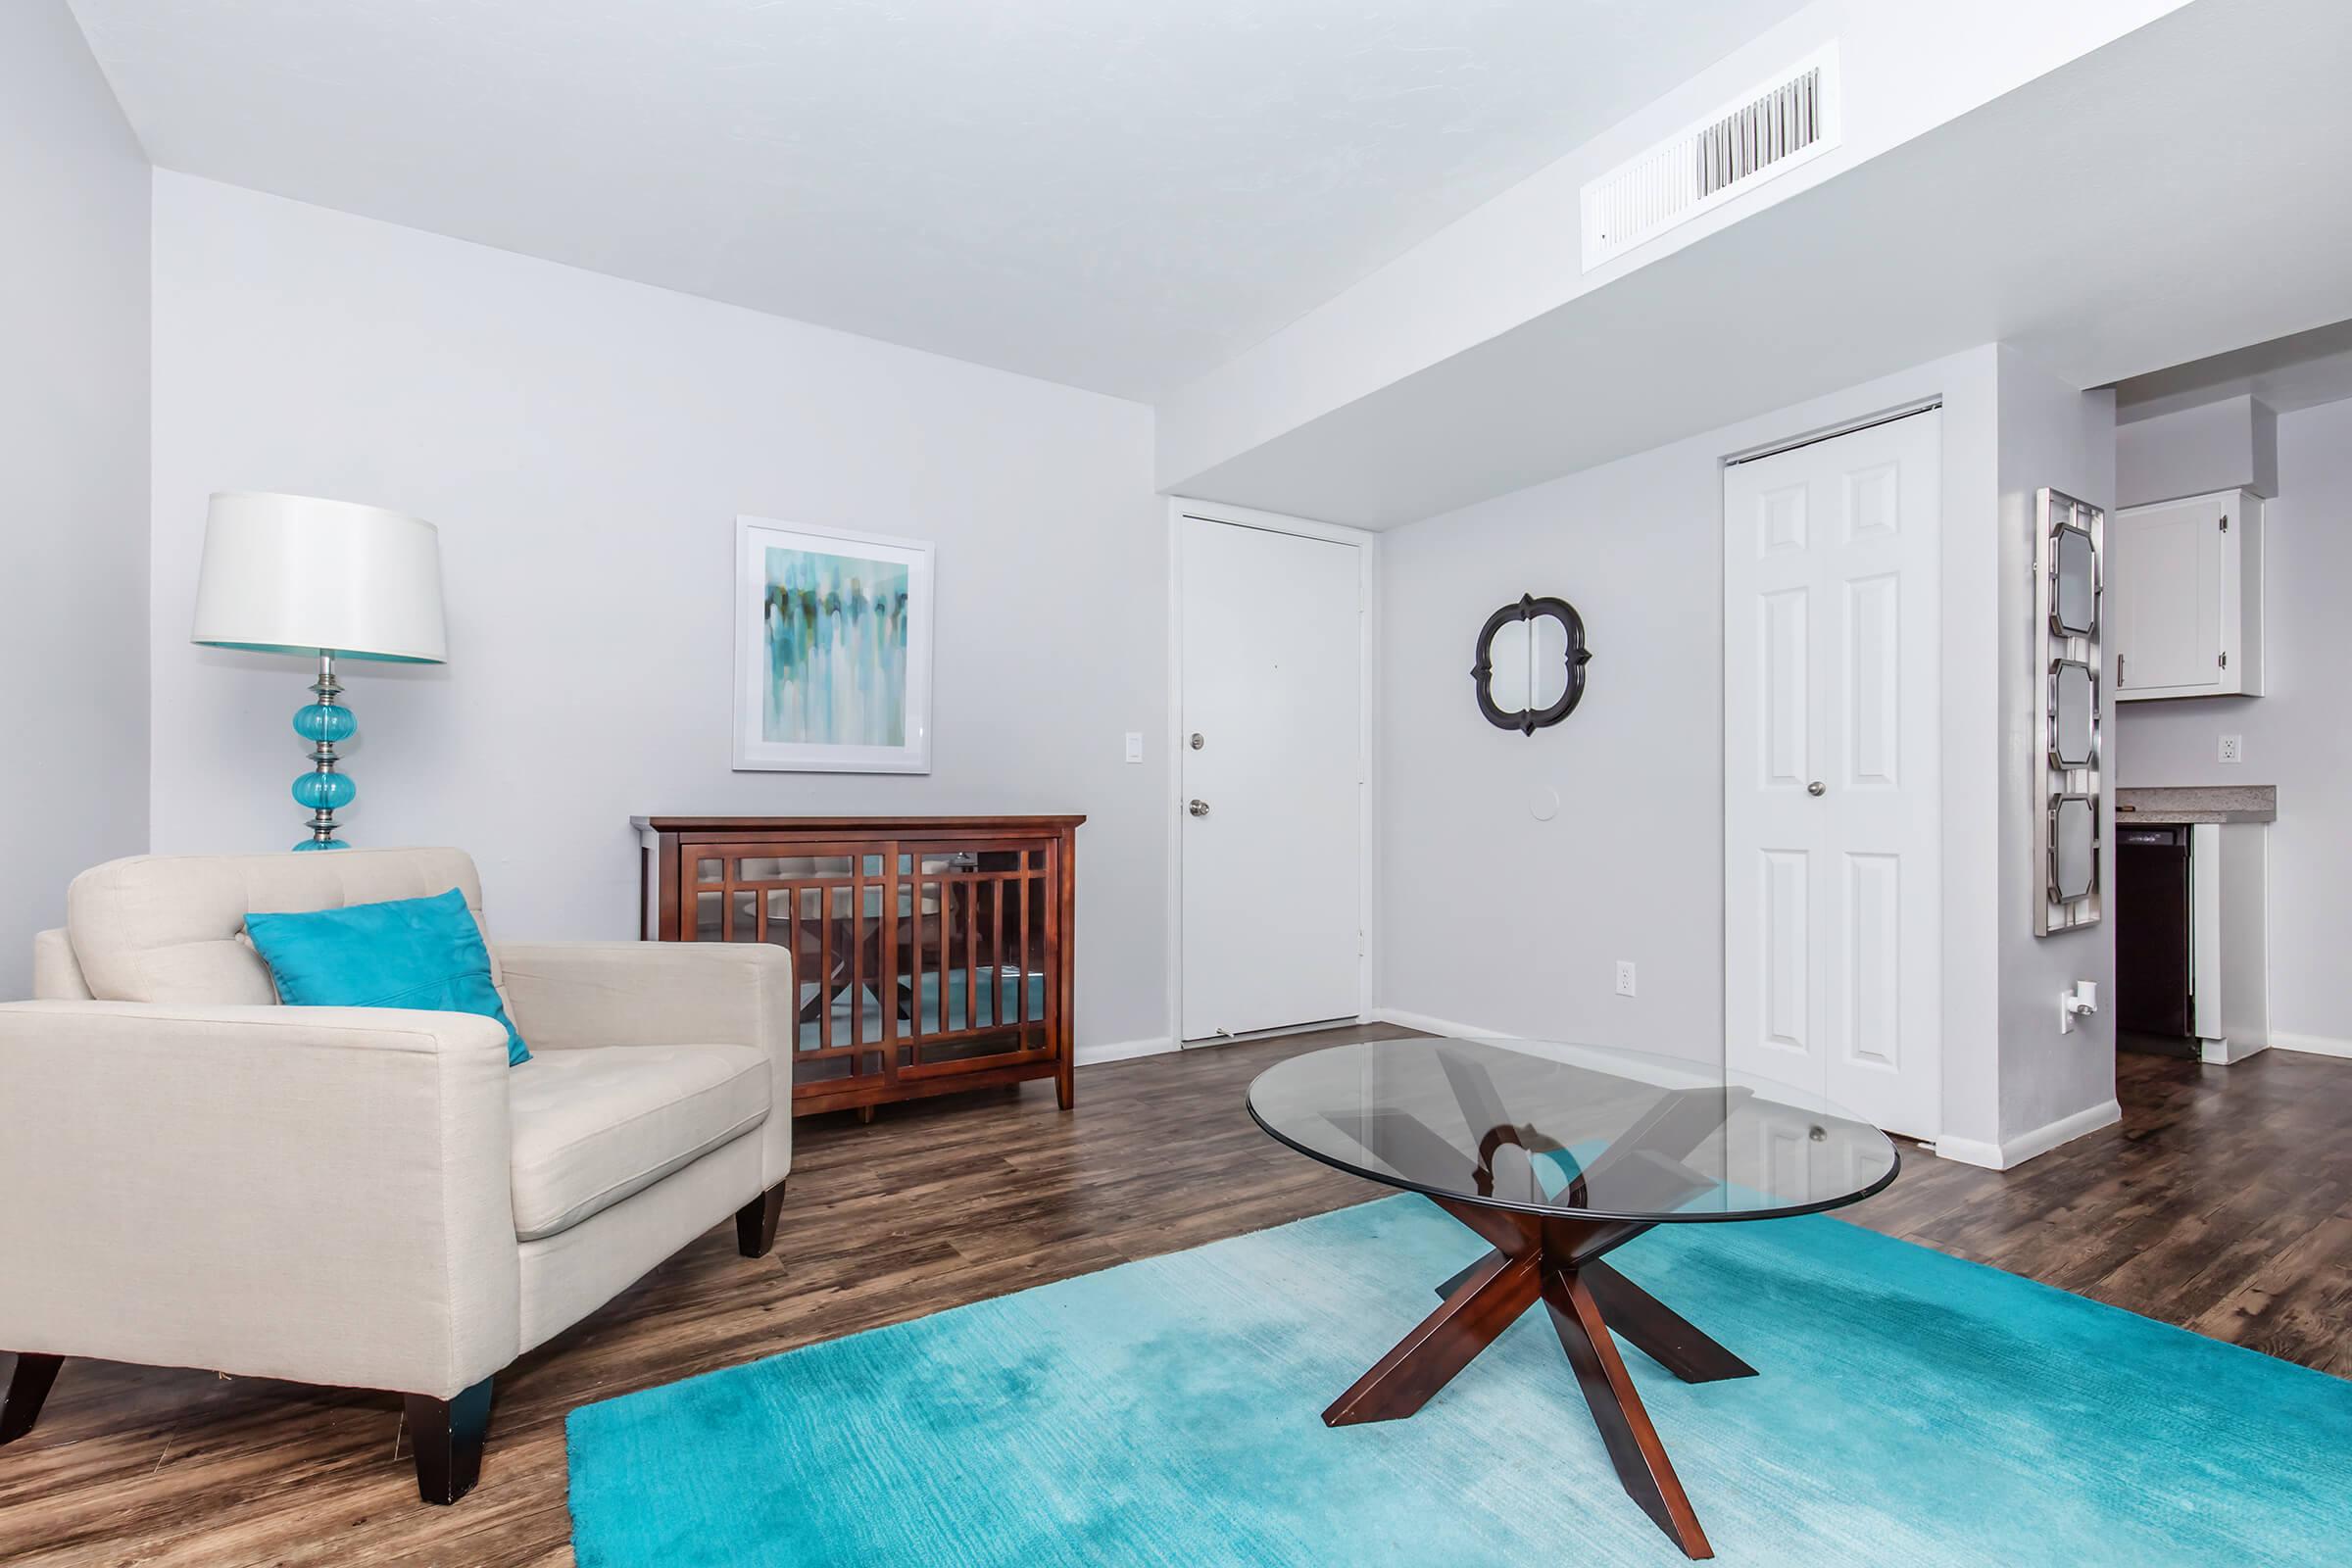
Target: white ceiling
[2084, 217]
[1119, 194]
[2290, 372]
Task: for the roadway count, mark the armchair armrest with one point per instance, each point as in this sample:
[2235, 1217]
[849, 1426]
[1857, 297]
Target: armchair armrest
[568, 995]
[317, 1193]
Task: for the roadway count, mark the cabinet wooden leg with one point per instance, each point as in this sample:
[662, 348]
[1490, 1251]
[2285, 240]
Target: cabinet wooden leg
[756, 1222]
[449, 1435]
[28, 1387]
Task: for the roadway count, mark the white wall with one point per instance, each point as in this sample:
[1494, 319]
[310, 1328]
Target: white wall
[73, 454]
[2051, 434]
[1497, 920]
[1493, 920]
[585, 445]
[2296, 734]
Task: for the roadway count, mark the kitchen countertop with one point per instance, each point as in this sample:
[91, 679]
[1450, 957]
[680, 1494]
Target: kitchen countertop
[2206, 802]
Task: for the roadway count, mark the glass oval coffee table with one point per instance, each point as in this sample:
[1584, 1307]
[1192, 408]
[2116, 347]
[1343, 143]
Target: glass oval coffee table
[1557, 1155]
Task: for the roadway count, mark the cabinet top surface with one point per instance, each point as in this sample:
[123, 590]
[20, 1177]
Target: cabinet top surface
[2198, 802]
[845, 824]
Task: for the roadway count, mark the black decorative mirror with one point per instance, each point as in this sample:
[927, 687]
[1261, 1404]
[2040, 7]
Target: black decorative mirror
[1530, 664]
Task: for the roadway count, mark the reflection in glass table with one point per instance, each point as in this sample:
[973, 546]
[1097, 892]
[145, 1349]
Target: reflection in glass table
[1556, 1154]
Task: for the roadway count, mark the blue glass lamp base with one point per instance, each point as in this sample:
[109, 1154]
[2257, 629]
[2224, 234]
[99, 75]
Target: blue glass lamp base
[324, 791]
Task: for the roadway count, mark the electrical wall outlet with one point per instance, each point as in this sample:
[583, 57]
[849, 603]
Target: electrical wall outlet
[1625, 977]
[2229, 747]
[1135, 746]
[2072, 1004]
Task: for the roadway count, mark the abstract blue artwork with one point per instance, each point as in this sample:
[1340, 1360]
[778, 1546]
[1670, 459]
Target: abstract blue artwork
[833, 651]
[836, 641]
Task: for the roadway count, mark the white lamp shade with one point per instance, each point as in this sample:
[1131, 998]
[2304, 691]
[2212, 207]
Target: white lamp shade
[295, 574]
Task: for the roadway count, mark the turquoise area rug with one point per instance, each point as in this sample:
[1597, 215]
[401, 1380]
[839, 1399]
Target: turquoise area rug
[1912, 1409]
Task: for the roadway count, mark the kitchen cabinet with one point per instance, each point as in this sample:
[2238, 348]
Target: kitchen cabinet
[2183, 598]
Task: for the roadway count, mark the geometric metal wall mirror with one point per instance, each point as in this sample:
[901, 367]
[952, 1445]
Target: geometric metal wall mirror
[2069, 537]
[1529, 665]
[2074, 868]
[2074, 711]
[2074, 581]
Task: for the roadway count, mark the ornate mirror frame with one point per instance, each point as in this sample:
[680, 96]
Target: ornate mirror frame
[1528, 720]
[2061, 539]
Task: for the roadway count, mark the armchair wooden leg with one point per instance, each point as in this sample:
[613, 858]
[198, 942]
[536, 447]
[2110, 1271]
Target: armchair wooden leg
[756, 1222]
[28, 1387]
[448, 1435]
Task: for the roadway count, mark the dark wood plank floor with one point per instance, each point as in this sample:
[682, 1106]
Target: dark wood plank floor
[2224, 1201]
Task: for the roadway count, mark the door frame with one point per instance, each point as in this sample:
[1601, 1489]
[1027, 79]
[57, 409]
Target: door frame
[1366, 544]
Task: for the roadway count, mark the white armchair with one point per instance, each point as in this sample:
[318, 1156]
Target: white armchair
[363, 1195]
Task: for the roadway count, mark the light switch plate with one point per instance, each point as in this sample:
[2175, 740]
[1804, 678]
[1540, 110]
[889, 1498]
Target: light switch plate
[2229, 747]
[1135, 746]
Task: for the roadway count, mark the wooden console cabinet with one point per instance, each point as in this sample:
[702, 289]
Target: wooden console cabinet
[932, 954]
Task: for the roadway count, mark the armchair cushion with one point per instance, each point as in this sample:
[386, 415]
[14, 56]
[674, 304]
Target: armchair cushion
[592, 1126]
[572, 996]
[423, 953]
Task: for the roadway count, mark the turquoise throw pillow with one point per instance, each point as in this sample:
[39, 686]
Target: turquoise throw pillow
[425, 953]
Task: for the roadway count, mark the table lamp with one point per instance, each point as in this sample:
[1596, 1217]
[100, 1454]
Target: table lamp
[330, 579]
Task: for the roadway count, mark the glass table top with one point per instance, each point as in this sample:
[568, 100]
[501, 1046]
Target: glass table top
[1571, 1130]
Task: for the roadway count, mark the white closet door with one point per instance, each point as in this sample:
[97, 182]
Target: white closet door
[1831, 859]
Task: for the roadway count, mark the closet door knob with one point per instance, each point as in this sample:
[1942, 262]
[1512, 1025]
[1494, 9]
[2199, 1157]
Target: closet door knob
[1817, 787]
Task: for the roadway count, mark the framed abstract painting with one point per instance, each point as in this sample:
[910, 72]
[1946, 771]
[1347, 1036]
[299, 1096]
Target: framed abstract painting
[832, 651]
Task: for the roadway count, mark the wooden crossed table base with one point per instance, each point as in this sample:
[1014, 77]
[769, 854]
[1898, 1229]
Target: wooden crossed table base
[1557, 1260]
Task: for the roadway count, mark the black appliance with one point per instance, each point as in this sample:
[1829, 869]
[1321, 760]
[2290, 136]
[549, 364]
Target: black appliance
[2155, 988]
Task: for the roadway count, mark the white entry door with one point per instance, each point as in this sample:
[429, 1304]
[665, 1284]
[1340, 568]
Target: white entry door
[1271, 750]
[1831, 857]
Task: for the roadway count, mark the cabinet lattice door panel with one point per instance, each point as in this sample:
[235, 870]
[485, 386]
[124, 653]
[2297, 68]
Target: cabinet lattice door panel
[929, 953]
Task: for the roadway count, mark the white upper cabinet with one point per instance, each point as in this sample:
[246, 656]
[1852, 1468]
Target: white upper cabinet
[2184, 595]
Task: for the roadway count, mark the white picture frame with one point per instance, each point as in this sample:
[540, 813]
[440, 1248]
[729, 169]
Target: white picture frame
[819, 686]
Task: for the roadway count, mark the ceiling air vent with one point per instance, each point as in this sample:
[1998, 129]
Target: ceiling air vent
[1784, 124]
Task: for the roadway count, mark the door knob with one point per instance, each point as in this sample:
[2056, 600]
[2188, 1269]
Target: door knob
[1817, 787]
[1199, 808]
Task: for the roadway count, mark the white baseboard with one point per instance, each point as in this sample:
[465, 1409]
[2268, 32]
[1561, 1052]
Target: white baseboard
[1437, 1026]
[2310, 1045]
[2011, 1153]
[1122, 1050]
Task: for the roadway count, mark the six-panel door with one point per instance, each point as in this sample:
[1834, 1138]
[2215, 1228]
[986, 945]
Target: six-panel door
[1831, 859]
